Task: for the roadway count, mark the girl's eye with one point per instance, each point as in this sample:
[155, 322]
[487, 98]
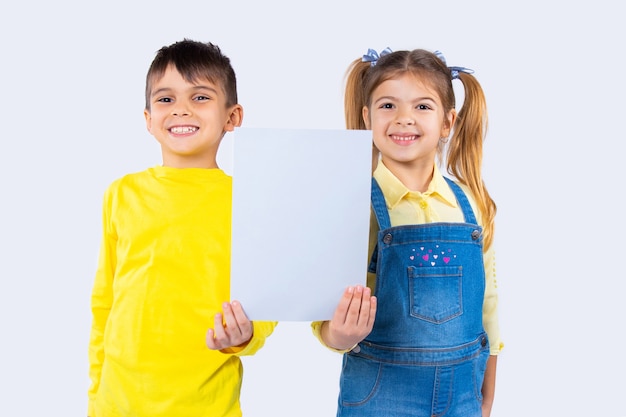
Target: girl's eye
[423, 107]
[387, 106]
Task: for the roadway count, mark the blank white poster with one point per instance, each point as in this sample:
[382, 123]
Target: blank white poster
[301, 207]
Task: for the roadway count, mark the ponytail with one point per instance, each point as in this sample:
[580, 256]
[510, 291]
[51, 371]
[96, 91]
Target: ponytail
[465, 151]
[354, 97]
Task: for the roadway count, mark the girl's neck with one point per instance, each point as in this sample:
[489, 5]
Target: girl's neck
[414, 175]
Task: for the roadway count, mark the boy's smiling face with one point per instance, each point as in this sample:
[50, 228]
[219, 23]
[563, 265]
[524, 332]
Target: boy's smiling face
[189, 120]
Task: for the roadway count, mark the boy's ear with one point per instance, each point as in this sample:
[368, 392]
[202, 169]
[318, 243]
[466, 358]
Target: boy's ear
[235, 118]
[148, 117]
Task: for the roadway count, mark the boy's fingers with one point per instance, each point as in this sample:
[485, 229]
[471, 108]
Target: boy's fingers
[212, 341]
[219, 331]
[243, 322]
[232, 326]
[240, 314]
[209, 339]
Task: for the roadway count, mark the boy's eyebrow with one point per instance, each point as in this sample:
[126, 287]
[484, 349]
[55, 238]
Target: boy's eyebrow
[196, 87]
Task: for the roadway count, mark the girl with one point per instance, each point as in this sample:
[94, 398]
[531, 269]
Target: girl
[431, 350]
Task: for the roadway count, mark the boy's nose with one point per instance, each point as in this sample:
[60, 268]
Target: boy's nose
[181, 110]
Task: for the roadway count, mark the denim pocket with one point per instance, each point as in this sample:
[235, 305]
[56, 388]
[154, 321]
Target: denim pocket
[359, 380]
[435, 292]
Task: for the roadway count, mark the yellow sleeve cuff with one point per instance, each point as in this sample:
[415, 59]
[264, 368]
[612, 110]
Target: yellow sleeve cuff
[316, 326]
[261, 330]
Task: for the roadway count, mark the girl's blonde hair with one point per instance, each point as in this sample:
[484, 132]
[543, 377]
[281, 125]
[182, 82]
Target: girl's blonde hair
[465, 149]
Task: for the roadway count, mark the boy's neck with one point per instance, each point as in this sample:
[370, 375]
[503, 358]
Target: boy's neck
[191, 162]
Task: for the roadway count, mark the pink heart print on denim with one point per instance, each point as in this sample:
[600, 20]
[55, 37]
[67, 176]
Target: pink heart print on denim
[432, 256]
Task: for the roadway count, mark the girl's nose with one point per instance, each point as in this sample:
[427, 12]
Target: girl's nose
[405, 118]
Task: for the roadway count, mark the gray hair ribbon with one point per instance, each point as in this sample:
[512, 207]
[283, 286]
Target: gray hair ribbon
[372, 56]
[454, 71]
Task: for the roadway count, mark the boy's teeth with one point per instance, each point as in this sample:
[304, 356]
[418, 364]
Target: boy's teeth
[184, 129]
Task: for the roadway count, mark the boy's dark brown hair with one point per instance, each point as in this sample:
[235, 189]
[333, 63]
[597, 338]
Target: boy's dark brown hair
[194, 60]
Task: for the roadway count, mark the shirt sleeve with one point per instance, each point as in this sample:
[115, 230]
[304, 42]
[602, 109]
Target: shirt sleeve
[316, 326]
[101, 301]
[490, 304]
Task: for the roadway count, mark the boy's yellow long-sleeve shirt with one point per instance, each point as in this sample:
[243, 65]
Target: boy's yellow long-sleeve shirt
[163, 273]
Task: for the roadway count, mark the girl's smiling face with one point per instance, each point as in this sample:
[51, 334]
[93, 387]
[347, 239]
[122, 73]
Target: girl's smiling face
[407, 120]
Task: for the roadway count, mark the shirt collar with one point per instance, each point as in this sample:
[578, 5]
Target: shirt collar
[395, 191]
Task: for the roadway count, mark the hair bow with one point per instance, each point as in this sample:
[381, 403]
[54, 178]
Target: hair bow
[454, 71]
[372, 56]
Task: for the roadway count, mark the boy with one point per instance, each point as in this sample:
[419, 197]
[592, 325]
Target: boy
[164, 263]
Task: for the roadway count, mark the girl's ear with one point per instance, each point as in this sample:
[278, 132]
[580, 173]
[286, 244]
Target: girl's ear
[448, 124]
[366, 117]
[235, 118]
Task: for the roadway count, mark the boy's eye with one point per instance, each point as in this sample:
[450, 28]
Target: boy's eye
[202, 98]
[164, 100]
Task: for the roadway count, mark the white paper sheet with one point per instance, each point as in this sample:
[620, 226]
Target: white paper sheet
[301, 207]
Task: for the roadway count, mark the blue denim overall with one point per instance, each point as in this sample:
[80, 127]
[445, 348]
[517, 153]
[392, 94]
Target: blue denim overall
[427, 353]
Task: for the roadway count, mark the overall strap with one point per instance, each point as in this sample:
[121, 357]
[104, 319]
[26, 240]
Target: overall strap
[461, 198]
[382, 217]
[380, 207]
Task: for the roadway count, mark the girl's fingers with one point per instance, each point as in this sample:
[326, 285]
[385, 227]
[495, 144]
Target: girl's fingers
[354, 310]
[372, 312]
[341, 311]
[364, 311]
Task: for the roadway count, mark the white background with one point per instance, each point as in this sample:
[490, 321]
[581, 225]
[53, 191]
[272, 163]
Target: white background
[553, 71]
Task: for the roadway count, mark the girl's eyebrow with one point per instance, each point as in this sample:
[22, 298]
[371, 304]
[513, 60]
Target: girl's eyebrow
[385, 98]
[393, 98]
